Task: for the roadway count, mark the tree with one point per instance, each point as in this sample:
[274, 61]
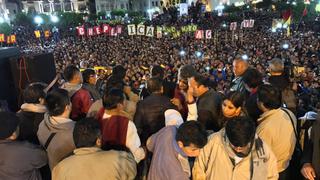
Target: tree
[5, 28]
[23, 19]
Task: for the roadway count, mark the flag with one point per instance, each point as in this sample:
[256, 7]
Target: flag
[305, 12]
[286, 14]
[288, 23]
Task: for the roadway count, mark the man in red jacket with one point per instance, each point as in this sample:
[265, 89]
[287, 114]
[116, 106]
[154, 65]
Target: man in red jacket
[80, 97]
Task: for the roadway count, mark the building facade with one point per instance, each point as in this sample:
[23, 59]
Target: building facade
[49, 6]
[109, 5]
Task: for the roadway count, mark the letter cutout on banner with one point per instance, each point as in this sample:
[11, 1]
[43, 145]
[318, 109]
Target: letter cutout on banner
[97, 30]
[90, 32]
[194, 28]
[233, 26]
[208, 34]
[132, 29]
[199, 34]
[150, 31]
[251, 23]
[81, 31]
[159, 32]
[46, 34]
[119, 29]
[37, 34]
[245, 23]
[8, 39]
[13, 39]
[184, 29]
[140, 29]
[113, 31]
[105, 28]
[2, 39]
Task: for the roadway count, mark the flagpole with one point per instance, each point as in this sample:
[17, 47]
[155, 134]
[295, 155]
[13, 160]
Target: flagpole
[305, 8]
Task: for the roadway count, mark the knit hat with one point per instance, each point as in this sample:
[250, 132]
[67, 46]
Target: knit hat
[173, 117]
[8, 124]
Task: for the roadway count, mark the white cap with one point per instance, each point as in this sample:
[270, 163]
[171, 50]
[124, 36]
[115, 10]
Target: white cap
[173, 117]
[311, 116]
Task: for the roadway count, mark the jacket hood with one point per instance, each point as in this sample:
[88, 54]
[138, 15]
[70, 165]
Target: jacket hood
[71, 88]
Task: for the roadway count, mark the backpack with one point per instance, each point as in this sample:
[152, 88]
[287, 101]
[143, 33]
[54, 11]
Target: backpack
[289, 99]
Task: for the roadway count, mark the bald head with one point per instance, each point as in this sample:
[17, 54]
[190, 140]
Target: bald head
[239, 66]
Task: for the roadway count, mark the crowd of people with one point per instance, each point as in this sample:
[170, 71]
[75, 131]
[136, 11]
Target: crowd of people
[241, 105]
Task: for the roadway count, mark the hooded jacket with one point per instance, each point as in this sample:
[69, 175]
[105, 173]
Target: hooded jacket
[217, 161]
[62, 143]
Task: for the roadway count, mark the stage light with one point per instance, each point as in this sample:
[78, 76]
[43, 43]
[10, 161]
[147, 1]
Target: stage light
[208, 68]
[1, 20]
[38, 20]
[245, 57]
[285, 46]
[279, 25]
[182, 53]
[54, 19]
[273, 30]
[198, 54]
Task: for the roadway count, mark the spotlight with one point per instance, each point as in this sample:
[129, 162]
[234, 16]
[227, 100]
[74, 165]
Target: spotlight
[198, 54]
[182, 53]
[285, 46]
[38, 20]
[245, 57]
[54, 19]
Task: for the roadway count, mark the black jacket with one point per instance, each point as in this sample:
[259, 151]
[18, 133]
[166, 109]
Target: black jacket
[149, 116]
[29, 124]
[168, 90]
[281, 82]
[252, 108]
[209, 110]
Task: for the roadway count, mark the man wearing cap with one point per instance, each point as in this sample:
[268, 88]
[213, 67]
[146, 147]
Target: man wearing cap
[19, 159]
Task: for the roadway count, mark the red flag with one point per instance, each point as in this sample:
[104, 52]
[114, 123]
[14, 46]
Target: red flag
[305, 11]
[286, 14]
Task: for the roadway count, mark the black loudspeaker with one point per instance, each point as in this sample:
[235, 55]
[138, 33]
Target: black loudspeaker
[16, 72]
[26, 70]
[8, 93]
